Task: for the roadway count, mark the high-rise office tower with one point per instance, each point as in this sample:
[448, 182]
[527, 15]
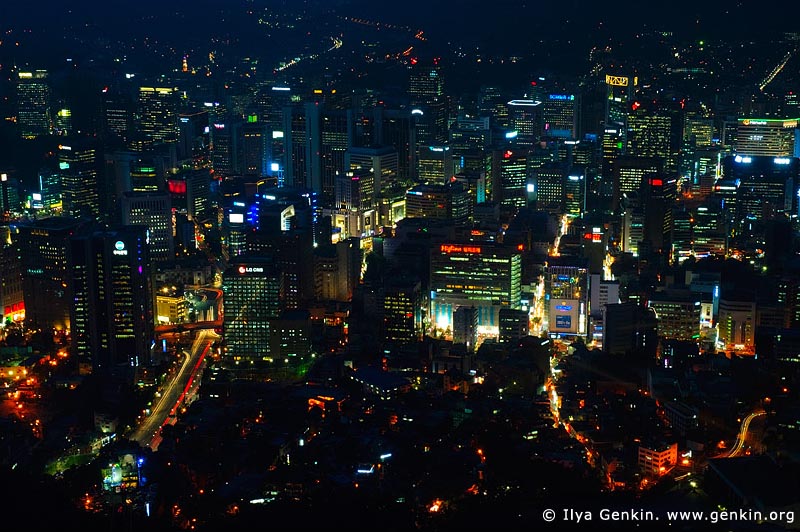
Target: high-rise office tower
[628, 173]
[434, 164]
[117, 114]
[62, 121]
[252, 300]
[111, 311]
[566, 288]
[50, 187]
[254, 148]
[465, 327]
[335, 134]
[158, 117]
[33, 104]
[43, 247]
[575, 192]
[560, 116]
[466, 274]
[658, 194]
[768, 137]
[513, 325]
[548, 190]
[402, 317]
[396, 128]
[470, 133]
[491, 103]
[767, 186]
[225, 148]
[443, 202]
[426, 92]
[708, 230]
[295, 140]
[382, 162]
[525, 118]
[649, 135]
[79, 167]
[12, 295]
[510, 184]
[154, 211]
[9, 197]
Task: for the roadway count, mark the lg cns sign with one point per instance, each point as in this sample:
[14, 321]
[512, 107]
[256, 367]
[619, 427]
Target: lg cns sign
[119, 248]
[251, 269]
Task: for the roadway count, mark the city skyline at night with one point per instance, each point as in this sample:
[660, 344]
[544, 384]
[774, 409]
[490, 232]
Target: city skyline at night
[414, 266]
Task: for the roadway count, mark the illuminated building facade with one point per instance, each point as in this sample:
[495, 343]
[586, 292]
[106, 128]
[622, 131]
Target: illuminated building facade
[43, 246]
[678, 315]
[79, 169]
[510, 183]
[768, 137]
[525, 117]
[402, 311]
[434, 164]
[444, 202]
[382, 162]
[628, 173]
[560, 116]
[111, 312]
[252, 300]
[33, 104]
[737, 323]
[158, 118]
[153, 210]
[567, 295]
[486, 276]
[513, 325]
[549, 187]
[766, 186]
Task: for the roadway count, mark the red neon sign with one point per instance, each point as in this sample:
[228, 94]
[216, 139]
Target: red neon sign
[452, 248]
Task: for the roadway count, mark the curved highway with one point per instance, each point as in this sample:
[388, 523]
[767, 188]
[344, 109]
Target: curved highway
[741, 438]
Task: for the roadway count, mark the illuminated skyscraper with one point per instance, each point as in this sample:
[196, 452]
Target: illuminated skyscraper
[525, 117]
[79, 167]
[649, 136]
[560, 116]
[252, 288]
[426, 91]
[549, 187]
[158, 118]
[481, 275]
[628, 173]
[381, 161]
[768, 137]
[33, 104]
[111, 311]
[154, 211]
[434, 164]
[658, 194]
[402, 306]
[254, 148]
[510, 183]
[43, 246]
[9, 197]
[443, 202]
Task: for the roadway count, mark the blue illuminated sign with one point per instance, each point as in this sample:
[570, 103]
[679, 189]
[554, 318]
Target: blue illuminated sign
[564, 322]
[567, 97]
[564, 308]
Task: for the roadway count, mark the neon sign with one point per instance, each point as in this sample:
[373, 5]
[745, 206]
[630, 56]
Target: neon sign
[452, 248]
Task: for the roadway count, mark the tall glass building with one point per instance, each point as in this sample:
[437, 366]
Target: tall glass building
[252, 300]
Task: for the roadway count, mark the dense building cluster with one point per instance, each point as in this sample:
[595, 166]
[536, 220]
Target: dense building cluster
[367, 278]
